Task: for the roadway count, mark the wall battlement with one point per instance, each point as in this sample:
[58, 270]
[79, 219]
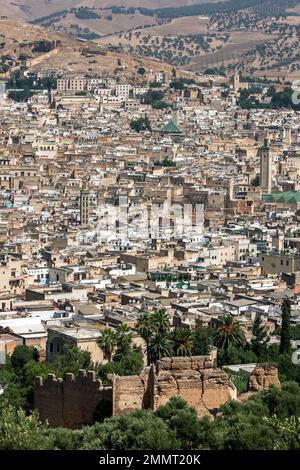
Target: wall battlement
[72, 402]
[83, 378]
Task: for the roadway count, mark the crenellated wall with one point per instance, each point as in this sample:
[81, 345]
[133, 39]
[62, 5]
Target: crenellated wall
[75, 402]
[72, 402]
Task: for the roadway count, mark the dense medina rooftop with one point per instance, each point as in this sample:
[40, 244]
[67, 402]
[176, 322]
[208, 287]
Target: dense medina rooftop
[125, 221]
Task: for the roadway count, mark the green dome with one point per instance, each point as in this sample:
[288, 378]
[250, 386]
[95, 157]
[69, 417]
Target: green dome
[171, 128]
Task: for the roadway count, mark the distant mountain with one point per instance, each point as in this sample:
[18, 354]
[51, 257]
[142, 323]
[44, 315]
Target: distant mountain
[259, 37]
[91, 19]
[31, 9]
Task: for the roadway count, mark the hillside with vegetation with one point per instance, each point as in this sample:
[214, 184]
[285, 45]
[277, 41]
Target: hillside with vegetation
[255, 37]
[259, 37]
[32, 46]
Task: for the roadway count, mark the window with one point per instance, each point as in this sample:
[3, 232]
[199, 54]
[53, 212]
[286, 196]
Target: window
[51, 347]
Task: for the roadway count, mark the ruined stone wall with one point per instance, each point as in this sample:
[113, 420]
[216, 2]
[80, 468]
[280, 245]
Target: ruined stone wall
[72, 402]
[132, 392]
[194, 380]
[262, 377]
[191, 378]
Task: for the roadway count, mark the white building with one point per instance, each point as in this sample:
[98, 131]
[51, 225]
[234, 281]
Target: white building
[40, 274]
[72, 84]
[139, 90]
[2, 92]
[123, 91]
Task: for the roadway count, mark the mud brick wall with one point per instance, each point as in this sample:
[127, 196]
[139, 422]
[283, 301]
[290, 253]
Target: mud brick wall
[74, 402]
[191, 378]
[132, 392]
[71, 402]
[194, 380]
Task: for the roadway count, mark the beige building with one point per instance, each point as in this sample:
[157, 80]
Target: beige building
[276, 263]
[72, 84]
[83, 338]
[148, 261]
[12, 278]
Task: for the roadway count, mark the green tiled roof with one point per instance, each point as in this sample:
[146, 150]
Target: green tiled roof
[286, 197]
[171, 128]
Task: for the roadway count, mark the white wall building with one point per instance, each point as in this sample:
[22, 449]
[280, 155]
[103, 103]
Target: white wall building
[123, 91]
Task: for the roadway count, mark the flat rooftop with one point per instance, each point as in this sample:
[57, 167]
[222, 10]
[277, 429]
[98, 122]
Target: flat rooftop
[241, 302]
[80, 334]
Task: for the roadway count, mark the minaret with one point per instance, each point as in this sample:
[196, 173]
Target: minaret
[84, 205]
[266, 167]
[278, 241]
[229, 193]
[236, 81]
[175, 114]
[288, 136]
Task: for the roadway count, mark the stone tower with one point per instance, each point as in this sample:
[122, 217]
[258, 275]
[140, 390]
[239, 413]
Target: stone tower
[278, 241]
[175, 115]
[84, 205]
[236, 81]
[288, 136]
[266, 167]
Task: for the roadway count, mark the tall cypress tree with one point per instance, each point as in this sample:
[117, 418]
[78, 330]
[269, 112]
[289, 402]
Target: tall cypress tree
[260, 337]
[285, 335]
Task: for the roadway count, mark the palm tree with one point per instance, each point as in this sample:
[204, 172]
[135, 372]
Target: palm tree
[107, 342]
[183, 341]
[154, 329]
[229, 333]
[145, 326]
[124, 336]
[145, 329]
[202, 341]
[161, 322]
[159, 346]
